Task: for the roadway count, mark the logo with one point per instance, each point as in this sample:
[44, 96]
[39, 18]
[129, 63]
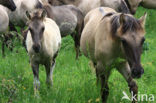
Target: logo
[138, 97]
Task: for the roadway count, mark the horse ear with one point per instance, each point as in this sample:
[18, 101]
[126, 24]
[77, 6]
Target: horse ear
[28, 15]
[143, 19]
[44, 14]
[122, 19]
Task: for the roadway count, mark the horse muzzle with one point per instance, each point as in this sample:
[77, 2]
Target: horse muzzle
[137, 72]
[36, 48]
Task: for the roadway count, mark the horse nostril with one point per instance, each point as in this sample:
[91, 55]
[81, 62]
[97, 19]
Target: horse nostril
[134, 72]
[36, 48]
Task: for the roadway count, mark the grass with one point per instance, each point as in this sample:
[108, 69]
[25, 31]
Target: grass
[73, 80]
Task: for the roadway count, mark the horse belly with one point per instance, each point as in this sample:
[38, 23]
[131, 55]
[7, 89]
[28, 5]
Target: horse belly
[67, 24]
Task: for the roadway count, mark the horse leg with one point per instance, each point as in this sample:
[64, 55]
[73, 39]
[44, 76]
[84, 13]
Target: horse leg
[76, 38]
[2, 37]
[3, 49]
[49, 70]
[77, 35]
[104, 88]
[35, 69]
[49, 73]
[124, 69]
[103, 76]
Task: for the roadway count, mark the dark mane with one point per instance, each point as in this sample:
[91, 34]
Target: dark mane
[124, 8]
[108, 14]
[129, 24]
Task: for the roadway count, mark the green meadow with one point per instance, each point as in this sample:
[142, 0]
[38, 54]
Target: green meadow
[73, 80]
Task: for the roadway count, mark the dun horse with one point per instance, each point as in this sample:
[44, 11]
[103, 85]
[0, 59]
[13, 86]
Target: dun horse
[133, 5]
[86, 5]
[18, 17]
[43, 42]
[114, 39]
[150, 4]
[4, 20]
[70, 21]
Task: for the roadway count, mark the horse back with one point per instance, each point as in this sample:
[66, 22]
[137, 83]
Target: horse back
[95, 31]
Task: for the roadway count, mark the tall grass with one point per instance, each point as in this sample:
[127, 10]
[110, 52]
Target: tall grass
[73, 80]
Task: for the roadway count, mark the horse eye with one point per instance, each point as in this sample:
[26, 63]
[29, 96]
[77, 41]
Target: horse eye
[142, 41]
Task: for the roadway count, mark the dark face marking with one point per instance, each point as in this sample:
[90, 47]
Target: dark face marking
[131, 33]
[133, 50]
[36, 28]
[9, 4]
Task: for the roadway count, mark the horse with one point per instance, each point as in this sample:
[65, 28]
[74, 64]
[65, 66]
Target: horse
[113, 40]
[133, 5]
[70, 21]
[150, 4]
[86, 5]
[18, 17]
[9, 4]
[4, 21]
[43, 42]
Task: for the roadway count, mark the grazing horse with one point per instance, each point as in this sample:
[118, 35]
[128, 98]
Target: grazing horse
[4, 20]
[9, 4]
[150, 4]
[18, 17]
[69, 19]
[133, 5]
[113, 40]
[86, 5]
[42, 42]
